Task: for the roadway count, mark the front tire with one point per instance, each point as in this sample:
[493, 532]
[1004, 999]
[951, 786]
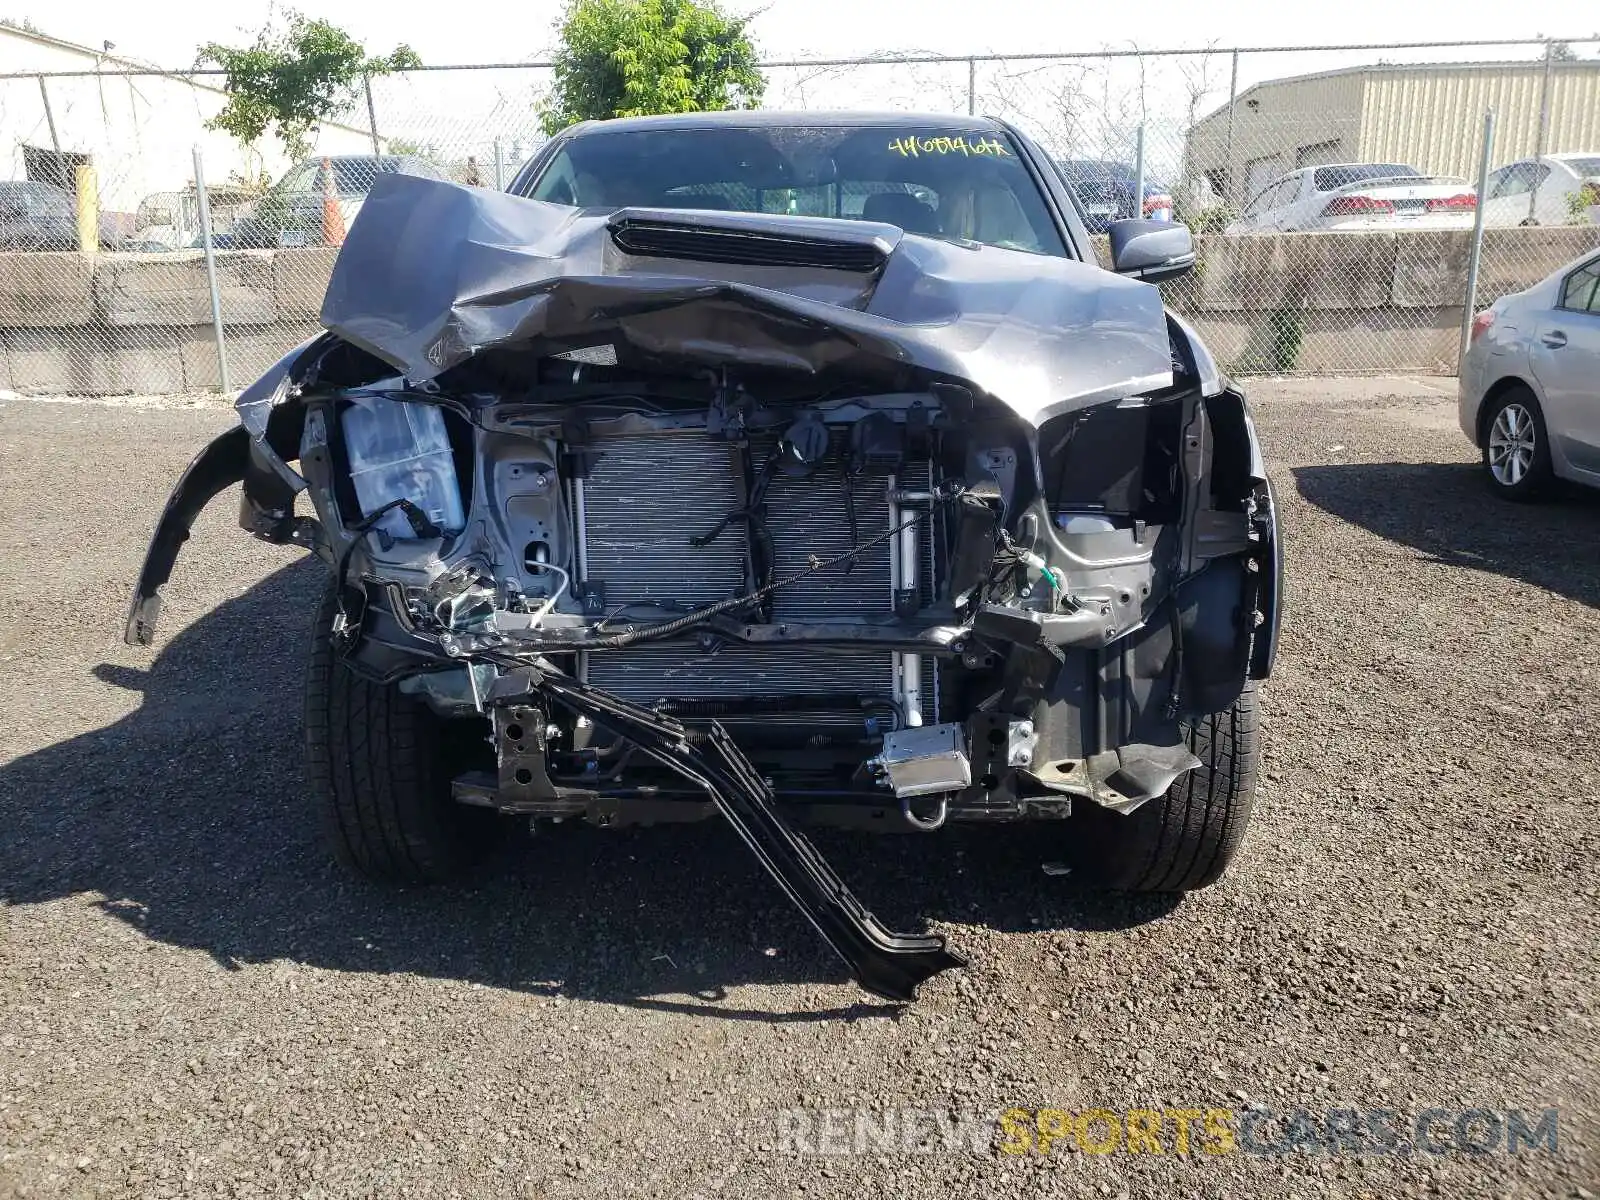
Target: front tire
[378, 767]
[1516, 446]
[1184, 839]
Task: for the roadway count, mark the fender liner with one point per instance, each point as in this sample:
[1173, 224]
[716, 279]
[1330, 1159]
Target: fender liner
[266, 505]
[1245, 480]
[1214, 614]
[220, 465]
[1269, 599]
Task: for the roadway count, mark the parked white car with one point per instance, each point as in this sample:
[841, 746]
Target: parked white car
[171, 220]
[1548, 190]
[1530, 383]
[1354, 196]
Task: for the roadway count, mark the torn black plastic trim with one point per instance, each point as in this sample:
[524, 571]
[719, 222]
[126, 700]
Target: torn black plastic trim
[386, 652]
[1269, 598]
[887, 964]
[1215, 632]
[1263, 507]
[220, 465]
[266, 505]
[1239, 484]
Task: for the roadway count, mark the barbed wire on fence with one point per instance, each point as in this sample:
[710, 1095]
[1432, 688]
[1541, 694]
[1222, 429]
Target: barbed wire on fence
[1210, 131]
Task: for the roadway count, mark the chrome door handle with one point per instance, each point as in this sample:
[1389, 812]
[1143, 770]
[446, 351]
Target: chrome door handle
[1555, 339]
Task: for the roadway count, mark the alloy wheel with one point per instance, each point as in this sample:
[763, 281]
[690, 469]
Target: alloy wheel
[1512, 440]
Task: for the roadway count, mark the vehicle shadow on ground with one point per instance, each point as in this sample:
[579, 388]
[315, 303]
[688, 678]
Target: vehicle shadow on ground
[188, 817]
[1445, 510]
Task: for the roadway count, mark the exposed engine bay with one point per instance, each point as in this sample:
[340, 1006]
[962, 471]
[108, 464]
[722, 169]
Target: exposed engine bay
[670, 574]
[882, 597]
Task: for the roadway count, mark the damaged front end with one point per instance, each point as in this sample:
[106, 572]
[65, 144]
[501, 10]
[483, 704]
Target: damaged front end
[685, 548]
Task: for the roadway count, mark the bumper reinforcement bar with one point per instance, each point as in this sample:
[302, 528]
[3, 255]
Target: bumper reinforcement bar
[887, 964]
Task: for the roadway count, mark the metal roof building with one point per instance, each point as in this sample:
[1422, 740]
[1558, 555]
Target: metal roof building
[1427, 115]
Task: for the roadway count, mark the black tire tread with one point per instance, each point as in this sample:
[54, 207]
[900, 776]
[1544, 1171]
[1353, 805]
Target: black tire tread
[376, 772]
[1537, 484]
[1185, 839]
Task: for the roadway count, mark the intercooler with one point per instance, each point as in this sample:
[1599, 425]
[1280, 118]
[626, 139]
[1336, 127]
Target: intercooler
[646, 497]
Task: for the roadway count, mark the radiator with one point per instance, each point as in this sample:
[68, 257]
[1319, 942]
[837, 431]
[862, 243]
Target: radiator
[647, 496]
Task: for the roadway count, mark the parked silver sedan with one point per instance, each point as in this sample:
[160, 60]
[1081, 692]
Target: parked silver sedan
[1530, 384]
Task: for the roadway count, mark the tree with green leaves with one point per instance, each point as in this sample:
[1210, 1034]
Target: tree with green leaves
[293, 78]
[629, 58]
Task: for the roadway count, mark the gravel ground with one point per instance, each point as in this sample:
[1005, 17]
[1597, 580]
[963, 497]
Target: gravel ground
[193, 1000]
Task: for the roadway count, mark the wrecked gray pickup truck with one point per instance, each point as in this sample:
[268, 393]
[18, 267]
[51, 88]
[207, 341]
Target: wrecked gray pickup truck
[781, 467]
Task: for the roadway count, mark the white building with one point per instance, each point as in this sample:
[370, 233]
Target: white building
[1427, 115]
[138, 131]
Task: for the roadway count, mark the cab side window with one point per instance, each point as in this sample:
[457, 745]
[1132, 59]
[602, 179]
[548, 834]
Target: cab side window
[1264, 201]
[302, 179]
[1517, 180]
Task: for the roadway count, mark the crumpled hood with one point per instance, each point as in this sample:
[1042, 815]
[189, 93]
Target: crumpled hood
[433, 273]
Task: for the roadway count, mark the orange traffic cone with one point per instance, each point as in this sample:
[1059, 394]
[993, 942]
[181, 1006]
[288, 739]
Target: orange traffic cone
[332, 216]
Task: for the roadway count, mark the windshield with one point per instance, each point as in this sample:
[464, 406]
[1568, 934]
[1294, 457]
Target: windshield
[1330, 179]
[967, 185]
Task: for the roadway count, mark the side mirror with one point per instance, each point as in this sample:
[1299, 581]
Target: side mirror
[1150, 250]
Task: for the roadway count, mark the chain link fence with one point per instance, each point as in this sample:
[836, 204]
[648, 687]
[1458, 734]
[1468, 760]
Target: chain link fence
[1333, 192]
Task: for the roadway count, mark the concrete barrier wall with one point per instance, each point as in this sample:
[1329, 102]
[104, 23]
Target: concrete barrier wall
[1327, 303]
[112, 324]
[121, 324]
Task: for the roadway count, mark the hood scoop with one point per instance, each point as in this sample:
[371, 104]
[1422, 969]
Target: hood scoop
[753, 240]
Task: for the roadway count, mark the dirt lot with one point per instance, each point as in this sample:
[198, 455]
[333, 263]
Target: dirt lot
[193, 1000]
